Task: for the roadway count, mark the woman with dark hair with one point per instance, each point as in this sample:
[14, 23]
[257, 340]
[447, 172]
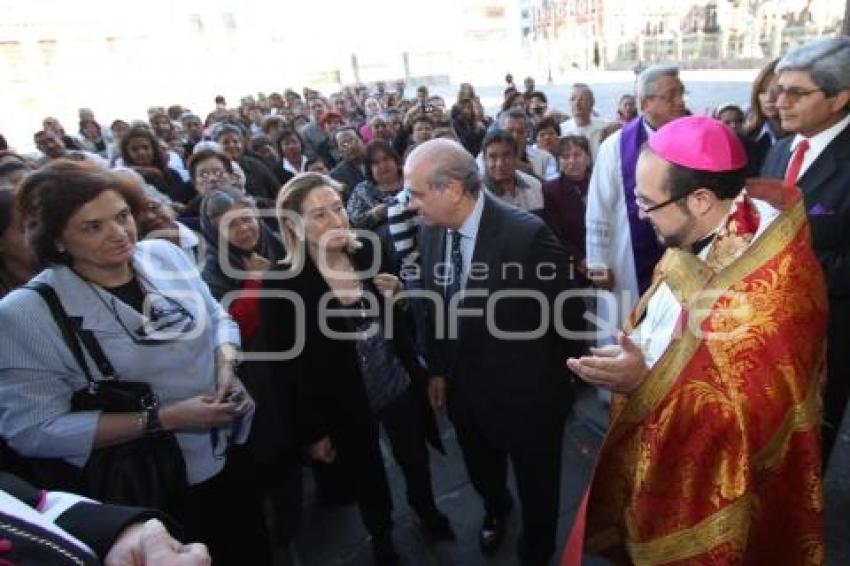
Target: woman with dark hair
[17, 264]
[12, 172]
[209, 169]
[564, 198]
[546, 135]
[762, 127]
[140, 150]
[260, 181]
[91, 138]
[367, 205]
[345, 387]
[469, 129]
[291, 149]
[239, 249]
[231, 229]
[514, 99]
[146, 307]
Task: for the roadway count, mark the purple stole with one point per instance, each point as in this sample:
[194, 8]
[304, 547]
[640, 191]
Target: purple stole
[645, 246]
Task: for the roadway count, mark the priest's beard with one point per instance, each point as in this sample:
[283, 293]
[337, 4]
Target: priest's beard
[678, 237]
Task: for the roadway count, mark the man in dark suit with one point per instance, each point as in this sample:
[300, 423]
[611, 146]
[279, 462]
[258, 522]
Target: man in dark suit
[507, 395]
[813, 98]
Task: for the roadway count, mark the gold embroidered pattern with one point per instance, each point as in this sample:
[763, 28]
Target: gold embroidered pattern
[729, 525]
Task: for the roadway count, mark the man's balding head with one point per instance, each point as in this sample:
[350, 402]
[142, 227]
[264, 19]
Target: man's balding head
[443, 180]
[443, 161]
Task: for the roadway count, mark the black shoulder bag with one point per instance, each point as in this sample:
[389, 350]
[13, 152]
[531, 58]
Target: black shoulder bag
[148, 471]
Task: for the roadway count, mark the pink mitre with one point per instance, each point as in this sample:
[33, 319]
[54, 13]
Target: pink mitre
[699, 142]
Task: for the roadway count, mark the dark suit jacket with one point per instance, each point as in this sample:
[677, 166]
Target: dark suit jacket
[518, 391]
[826, 193]
[349, 175]
[260, 182]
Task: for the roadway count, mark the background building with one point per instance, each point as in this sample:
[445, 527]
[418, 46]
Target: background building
[614, 34]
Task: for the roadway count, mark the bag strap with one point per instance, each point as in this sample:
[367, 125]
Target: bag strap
[72, 335]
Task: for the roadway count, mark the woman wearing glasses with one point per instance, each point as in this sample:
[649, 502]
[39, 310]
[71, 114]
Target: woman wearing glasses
[324, 314]
[209, 169]
[156, 322]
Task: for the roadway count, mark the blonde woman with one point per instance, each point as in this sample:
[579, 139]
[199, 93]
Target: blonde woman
[342, 388]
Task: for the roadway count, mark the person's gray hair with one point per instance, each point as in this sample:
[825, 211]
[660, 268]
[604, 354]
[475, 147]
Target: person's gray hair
[511, 114]
[647, 79]
[206, 144]
[221, 199]
[155, 194]
[186, 116]
[222, 130]
[449, 161]
[827, 60]
[586, 88]
[379, 116]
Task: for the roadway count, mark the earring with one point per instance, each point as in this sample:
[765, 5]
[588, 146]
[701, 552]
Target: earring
[61, 249]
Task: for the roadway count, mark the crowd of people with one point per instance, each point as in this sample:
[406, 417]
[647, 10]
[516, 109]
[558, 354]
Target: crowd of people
[273, 284]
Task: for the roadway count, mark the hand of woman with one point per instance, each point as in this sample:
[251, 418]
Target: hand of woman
[379, 212]
[230, 390]
[387, 284]
[148, 170]
[197, 413]
[256, 263]
[323, 451]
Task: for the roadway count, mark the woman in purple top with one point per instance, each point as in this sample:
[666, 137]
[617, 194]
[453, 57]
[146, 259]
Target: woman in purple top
[564, 198]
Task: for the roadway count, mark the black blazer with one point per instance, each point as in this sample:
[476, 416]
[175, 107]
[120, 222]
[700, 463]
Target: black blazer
[518, 390]
[328, 389]
[349, 175]
[826, 193]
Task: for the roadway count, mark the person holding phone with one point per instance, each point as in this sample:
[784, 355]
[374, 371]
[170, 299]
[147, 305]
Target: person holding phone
[153, 316]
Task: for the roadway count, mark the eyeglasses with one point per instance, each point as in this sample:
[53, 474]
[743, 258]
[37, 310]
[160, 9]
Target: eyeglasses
[792, 93]
[670, 95]
[212, 174]
[647, 207]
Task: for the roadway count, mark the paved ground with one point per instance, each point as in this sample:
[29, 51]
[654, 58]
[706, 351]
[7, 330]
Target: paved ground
[337, 538]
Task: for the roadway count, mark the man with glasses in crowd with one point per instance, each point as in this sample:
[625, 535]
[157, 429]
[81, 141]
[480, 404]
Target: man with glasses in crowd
[622, 249]
[351, 171]
[813, 98]
[712, 455]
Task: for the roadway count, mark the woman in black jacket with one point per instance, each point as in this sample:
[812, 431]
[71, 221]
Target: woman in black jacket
[239, 247]
[328, 324]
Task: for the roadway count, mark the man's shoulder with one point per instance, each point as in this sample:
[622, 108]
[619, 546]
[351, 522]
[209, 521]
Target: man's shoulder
[842, 141]
[512, 219]
[530, 181]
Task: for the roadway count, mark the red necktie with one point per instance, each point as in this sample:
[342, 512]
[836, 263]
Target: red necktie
[793, 172]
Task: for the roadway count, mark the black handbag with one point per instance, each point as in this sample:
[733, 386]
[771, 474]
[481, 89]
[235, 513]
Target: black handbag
[384, 376]
[147, 471]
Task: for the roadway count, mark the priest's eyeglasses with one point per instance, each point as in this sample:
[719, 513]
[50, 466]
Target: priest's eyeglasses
[646, 206]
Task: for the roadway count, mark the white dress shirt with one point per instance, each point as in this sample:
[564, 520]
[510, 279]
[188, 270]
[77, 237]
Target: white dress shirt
[817, 143]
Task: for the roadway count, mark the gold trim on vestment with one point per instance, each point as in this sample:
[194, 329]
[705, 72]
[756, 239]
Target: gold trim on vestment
[727, 525]
[777, 237]
[803, 416]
